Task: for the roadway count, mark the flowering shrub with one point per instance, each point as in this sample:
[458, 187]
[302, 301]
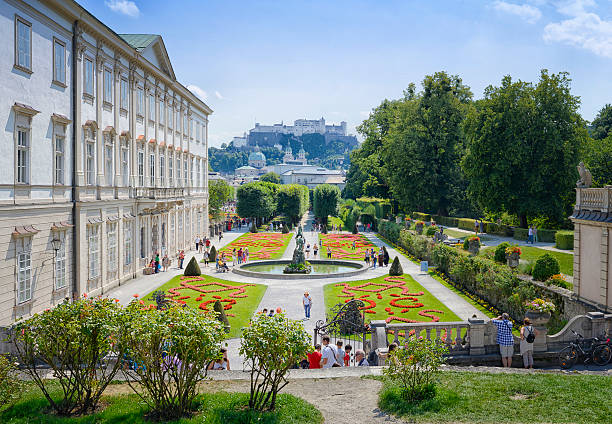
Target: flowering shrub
[167, 354]
[511, 250]
[73, 339]
[271, 346]
[559, 280]
[10, 385]
[413, 368]
[540, 305]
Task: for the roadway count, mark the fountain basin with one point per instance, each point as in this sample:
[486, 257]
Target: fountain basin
[320, 269]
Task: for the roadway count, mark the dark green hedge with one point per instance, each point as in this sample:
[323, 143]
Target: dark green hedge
[421, 216]
[564, 240]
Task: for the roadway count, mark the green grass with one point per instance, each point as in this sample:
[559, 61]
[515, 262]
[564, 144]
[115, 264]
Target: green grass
[261, 245]
[342, 246]
[531, 253]
[462, 235]
[472, 397]
[243, 309]
[462, 294]
[332, 292]
[213, 408]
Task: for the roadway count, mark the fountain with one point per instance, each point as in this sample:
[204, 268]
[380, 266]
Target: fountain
[298, 264]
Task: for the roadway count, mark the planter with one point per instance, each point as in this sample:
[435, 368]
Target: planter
[474, 247]
[513, 260]
[419, 229]
[538, 319]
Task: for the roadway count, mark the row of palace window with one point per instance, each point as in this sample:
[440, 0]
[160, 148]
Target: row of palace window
[168, 165]
[25, 287]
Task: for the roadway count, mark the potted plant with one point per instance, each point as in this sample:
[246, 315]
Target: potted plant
[513, 254]
[539, 311]
[418, 227]
[474, 245]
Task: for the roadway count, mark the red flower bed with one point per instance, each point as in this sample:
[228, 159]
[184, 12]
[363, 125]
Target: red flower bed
[261, 245]
[350, 292]
[342, 245]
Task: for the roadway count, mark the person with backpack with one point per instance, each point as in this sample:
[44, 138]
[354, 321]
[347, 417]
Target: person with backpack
[528, 335]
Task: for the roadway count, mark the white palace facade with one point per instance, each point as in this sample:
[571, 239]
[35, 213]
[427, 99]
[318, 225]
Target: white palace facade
[103, 157]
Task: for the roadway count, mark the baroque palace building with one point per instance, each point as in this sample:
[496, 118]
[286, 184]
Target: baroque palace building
[103, 156]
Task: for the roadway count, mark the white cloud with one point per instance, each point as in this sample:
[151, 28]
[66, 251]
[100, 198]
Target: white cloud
[582, 29]
[364, 113]
[197, 91]
[125, 7]
[530, 14]
[218, 95]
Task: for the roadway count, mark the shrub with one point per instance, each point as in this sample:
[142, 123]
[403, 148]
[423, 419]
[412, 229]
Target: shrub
[271, 346]
[431, 230]
[526, 267]
[168, 354]
[564, 240]
[73, 339]
[396, 268]
[559, 281]
[212, 255]
[545, 267]
[421, 216]
[285, 229]
[10, 386]
[253, 228]
[414, 367]
[192, 269]
[500, 252]
[221, 316]
[521, 233]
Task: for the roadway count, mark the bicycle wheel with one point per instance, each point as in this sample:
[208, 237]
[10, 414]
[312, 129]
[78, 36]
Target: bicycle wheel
[602, 354]
[568, 357]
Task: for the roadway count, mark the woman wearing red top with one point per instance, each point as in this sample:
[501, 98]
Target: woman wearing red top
[314, 358]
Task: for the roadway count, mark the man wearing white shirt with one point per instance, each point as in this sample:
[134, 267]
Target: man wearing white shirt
[328, 358]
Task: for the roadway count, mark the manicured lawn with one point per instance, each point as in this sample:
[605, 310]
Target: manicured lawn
[212, 408]
[384, 301]
[260, 245]
[195, 292]
[531, 253]
[341, 246]
[473, 397]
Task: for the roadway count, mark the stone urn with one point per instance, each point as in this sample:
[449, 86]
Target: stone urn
[419, 229]
[474, 247]
[538, 319]
[512, 259]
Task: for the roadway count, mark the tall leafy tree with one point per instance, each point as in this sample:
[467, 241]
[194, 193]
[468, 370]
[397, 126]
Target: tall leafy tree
[602, 124]
[219, 193]
[293, 201]
[423, 146]
[326, 198]
[598, 159]
[256, 200]
[523, 145]
[271, 177]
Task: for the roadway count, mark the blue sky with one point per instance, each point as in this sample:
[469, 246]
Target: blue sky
[270, 61]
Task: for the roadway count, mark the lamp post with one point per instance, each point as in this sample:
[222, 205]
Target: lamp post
[56, 243]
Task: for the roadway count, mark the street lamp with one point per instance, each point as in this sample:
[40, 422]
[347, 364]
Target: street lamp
[56, 243]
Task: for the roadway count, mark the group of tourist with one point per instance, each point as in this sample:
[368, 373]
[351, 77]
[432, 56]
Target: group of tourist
[479, 226]
[158, 265]
[315, 250]
[505, 340]
[239, 256]
[200, 243]
[371, 256]
[532, 234]
[330, 356]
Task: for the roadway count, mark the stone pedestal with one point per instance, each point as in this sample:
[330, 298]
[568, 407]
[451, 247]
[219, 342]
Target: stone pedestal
[477, 329]
[539, 321]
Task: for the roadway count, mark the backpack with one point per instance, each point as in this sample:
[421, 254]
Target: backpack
[530, 338]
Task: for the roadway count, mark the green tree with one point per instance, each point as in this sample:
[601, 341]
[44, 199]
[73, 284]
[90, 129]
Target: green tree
[326, 198]
[423, 147]
[293, 201]
[523, 145]
[219, 192]
[256, 200]
[271, 177]
[271, 346]
[602, 124]
[598, 159]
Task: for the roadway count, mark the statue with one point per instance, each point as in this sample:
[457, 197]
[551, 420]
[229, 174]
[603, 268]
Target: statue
[585, 176]
[298, 263]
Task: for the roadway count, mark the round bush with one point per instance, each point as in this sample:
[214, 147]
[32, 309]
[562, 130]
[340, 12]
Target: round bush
[500, 252]
[431, 230]
[545, 267]
[564, 240]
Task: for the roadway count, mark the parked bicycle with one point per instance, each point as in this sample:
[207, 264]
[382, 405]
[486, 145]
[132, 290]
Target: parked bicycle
[583, 349]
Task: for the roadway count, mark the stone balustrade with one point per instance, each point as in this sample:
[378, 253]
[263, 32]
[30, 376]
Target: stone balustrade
[476, 337]
[158, 192]
[594, 199]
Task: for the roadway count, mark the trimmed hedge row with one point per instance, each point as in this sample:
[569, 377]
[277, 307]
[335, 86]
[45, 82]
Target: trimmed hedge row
[382, 206]
[425, 217]
[495, 283]
[543, 234]
[447, 221]
[564, 240]
[468, 224]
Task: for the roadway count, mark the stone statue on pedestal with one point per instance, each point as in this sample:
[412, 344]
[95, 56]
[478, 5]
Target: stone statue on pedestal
[585, 176]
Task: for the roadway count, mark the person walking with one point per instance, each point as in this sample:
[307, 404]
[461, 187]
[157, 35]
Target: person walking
[315, 249]
[181, 258]
[535, 234]
[234, 258]
[156, 262]
[165, 263]
[246, 254]
[240, 256]
[481, 224]
[528, 335]
[307, 302]
[373, 255]
[206, 258]
[530, 235]
[367, 257]
[476, 227]
[307, 250]
[197, 242]
[504, 339]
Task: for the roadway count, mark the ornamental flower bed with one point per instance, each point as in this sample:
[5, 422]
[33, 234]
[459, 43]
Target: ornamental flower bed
[392, 299]
[540, 305]
[239, 300]
[260, 245]
[341, 246]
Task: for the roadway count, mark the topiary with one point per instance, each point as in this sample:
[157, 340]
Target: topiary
[396, 268]
[564, 240]
[285, 230]
[324, 231]
[500, 252]
[545, 267]
[253, 228]
[220, 312]
[192, 269]
[355, 231]
[431, 230]
[212, 255]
